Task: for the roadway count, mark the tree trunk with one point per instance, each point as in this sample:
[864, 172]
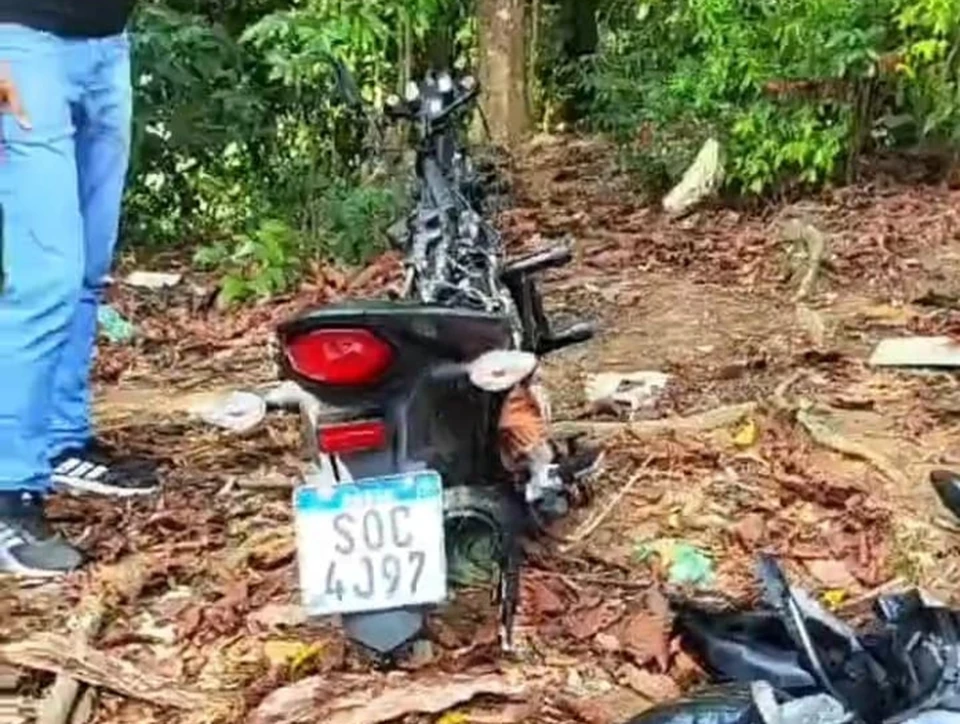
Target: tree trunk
[503, 68]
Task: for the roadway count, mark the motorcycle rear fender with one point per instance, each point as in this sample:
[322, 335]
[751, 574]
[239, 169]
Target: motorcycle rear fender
[421, 336]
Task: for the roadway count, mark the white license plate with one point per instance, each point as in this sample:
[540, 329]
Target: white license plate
[371, 545]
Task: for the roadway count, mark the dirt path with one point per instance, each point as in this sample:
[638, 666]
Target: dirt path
[708, 300]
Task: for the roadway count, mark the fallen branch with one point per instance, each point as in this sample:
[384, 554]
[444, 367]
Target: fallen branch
[591, 524]
[701, 422]
[59, 702]
[823, 435]
[779, 397]
[816, 244]
[896, 585]
[59, 655]
[300, 702]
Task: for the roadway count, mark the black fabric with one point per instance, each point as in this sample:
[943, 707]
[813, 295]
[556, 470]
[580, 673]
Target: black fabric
[69, 18]
[905, 662]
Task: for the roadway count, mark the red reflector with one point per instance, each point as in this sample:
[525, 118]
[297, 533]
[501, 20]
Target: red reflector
[340, 356]
[352, 437]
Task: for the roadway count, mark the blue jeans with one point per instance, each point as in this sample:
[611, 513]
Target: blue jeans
[61, 184]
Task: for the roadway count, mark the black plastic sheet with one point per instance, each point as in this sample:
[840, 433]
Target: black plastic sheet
[732, 704]
[905, 663]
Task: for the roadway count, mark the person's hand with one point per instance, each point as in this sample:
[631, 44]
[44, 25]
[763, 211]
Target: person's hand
[10, 101]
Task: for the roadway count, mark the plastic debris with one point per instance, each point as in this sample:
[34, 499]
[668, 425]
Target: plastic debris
[686, 564]
[153, 280]
[792, 662]
[936, 352]
[700, 181]
[633, 391]
[717, 705]
[904, 664]
[238, 411]
[113, 326]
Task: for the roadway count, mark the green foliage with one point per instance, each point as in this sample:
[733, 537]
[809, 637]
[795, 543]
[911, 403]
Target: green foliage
[931, 42]
[260, 264]
[242, 141]
[270, 259]
[794, 89]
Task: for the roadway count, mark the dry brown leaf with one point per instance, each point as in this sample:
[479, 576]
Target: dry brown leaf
[750, 530]
[616, 706]
[541, 598]
[685, 669]
[586, 624]
[646, 637]
[831, 573]
[291, 704]
[59, 654]
[509, 714]
[656, 687]
[416, 697]
[607, 642]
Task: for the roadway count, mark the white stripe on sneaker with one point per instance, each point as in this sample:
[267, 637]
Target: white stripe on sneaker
[67, 465]
[87, 476]
[81, 470]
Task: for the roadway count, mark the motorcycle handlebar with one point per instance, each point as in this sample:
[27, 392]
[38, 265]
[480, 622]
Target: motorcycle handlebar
[409, 111]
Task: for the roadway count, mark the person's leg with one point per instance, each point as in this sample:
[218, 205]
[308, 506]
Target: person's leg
[42, 257]
[101, 69]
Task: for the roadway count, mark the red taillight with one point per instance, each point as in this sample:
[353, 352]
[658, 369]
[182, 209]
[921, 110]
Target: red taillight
[340, 356]
[352, 437]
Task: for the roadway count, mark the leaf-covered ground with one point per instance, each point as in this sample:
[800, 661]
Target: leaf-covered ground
[199, 587]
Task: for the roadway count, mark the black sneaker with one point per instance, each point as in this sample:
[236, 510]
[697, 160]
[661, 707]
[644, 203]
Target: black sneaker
[98, 469]
[27, 547]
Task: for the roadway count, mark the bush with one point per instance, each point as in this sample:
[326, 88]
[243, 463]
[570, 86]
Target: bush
[242, 145]
[794, 89]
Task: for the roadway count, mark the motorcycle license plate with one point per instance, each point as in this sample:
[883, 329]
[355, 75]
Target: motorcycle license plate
[371, 545]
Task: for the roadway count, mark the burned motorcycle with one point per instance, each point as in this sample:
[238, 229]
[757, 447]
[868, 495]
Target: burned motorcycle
[422, 416]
